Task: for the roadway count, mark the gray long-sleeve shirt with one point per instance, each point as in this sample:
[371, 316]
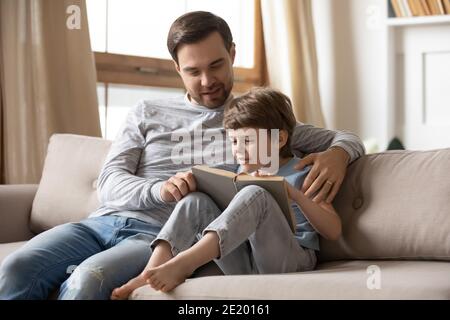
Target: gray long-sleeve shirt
[155, 143]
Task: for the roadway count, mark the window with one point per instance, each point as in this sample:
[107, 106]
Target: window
[116, 100]
[132, 61]
[129, 39]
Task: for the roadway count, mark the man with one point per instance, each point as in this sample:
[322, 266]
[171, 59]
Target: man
[142, 177]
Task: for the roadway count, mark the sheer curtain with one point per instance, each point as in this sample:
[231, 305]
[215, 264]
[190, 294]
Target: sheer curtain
[291, 55]
[47, 82]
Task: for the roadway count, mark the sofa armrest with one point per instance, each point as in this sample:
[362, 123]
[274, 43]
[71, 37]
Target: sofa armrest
[15, 208]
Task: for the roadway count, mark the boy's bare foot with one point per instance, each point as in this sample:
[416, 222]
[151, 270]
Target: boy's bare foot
[123, 292]
[161, 254]
[170, 274]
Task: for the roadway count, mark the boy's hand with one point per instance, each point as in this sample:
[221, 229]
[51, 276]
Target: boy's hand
[326, 175]
[258, 173]
[177, 186]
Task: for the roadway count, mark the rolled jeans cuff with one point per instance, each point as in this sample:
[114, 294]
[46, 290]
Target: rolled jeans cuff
[165, 237]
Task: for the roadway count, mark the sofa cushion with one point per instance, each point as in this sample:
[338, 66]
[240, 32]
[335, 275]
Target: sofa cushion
[394, 204]
[332, 280]
[67, 190]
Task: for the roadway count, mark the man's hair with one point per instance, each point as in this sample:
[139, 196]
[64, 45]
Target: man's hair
[195, 26]
[262, 108]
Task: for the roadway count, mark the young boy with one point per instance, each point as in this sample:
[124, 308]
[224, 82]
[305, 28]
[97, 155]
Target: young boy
[251, 236]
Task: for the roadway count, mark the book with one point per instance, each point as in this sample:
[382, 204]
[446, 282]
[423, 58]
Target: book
[405, 7]
[413, 7]
[447, 6]
[434, 7]
[440, 7]
[222, 186]
[419, 7]
[425, 7]
[396, 7]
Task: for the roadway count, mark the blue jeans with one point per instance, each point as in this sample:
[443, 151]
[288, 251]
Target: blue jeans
[254, 236]
[84, 260]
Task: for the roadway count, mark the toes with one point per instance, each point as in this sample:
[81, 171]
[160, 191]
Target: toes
[155, 284]
[148, 273]
[168, 287]
[116, 294]
[152, 283]
[160, 285]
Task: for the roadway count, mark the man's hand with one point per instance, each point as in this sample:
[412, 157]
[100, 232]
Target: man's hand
[326, 175]
[177, 186]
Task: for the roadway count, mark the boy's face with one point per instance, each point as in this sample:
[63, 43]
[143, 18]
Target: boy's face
[206, 68]
[253, 147]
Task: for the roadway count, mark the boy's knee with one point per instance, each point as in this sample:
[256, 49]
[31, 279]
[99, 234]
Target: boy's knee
[197, 208]
[195, 202]
[195, 197]
[253, 190]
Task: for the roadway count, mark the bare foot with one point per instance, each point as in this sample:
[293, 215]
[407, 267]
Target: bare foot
[123, 292]
[170, 274]
[161, 254]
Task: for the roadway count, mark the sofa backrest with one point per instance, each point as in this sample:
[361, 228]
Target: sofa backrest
[394, 205]
[67, 190]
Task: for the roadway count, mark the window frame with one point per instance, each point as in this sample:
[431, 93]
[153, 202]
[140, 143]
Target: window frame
[155, 72]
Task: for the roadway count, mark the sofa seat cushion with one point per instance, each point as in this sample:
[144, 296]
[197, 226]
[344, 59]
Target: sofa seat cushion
[331, 280]
[7, 248]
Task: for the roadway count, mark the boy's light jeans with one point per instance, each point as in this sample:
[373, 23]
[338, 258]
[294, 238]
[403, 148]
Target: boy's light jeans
[89, 259]
[255, 237]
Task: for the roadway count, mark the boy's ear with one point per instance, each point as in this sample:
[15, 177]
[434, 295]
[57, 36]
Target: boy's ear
[282, 138]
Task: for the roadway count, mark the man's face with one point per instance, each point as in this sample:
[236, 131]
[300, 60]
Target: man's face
[206, 68]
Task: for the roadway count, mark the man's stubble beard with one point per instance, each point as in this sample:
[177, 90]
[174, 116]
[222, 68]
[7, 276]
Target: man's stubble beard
[226, 94]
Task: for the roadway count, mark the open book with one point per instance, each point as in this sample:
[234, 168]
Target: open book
[222, 186]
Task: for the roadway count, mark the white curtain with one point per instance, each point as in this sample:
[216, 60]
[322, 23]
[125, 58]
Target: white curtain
[291, 55]
[47, 82]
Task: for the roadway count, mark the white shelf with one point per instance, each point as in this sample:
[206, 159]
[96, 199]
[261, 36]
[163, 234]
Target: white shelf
[413, 21]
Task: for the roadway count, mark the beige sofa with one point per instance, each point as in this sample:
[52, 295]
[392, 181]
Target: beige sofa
[395, 209]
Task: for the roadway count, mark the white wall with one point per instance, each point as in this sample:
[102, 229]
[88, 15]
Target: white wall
[351, 45]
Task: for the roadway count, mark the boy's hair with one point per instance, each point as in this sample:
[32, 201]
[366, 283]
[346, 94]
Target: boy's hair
[195, 26]
[262, 108]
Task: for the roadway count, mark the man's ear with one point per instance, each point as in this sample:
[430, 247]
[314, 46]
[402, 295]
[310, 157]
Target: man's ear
[233, 52]
[282, 138]
[177, 67]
